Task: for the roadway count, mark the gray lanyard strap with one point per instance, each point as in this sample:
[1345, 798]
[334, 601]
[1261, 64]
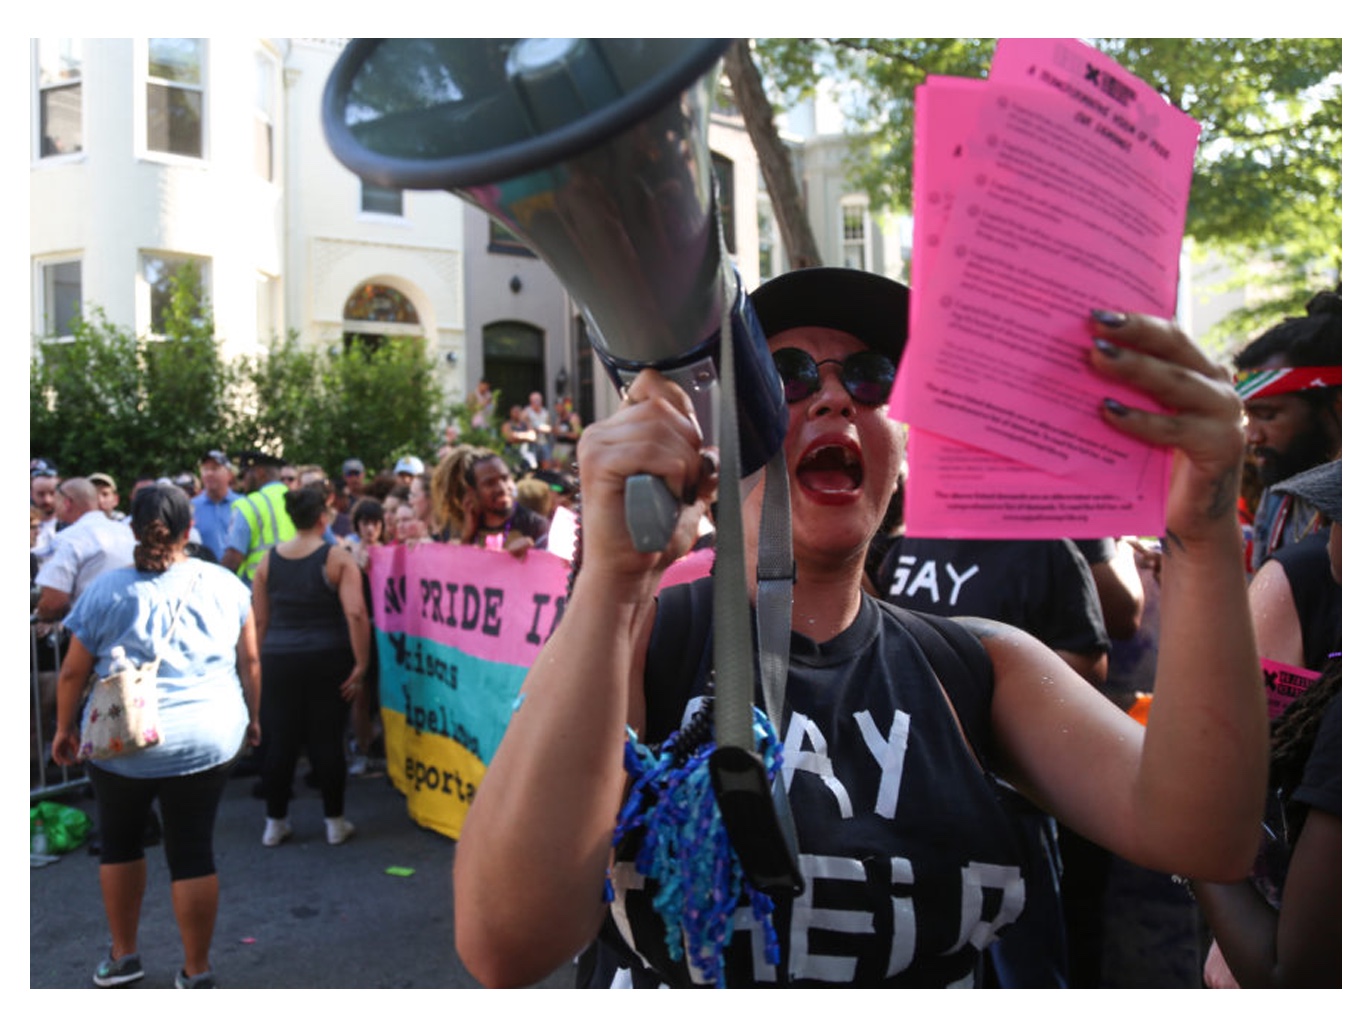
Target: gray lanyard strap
[733, 656]
[776, 574]
[755, 811]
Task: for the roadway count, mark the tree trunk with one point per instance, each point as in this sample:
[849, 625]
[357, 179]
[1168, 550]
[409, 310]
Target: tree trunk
[774, 160]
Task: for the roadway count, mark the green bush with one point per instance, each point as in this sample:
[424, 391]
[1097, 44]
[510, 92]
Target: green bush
[110, 401]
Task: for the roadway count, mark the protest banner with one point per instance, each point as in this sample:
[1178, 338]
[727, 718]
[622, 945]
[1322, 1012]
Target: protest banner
[457, 627]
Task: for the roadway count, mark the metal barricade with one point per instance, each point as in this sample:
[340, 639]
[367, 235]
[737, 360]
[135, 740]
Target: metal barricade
[46, 778]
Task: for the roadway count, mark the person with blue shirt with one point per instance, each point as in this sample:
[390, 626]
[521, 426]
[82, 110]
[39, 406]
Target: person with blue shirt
[213, 507]
[196, 618]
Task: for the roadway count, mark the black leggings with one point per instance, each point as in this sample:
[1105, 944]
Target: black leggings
[301, 704]
[189, 807]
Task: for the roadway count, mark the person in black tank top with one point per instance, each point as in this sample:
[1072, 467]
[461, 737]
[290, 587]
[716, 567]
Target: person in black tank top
[315, 648]
[911, 867]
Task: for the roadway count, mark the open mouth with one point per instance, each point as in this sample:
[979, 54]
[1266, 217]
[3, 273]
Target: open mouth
[831, 469]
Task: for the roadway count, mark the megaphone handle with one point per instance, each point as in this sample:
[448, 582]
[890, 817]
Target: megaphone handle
[651, 512]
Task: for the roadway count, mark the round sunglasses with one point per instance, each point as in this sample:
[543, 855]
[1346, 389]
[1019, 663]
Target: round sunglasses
[867, 376]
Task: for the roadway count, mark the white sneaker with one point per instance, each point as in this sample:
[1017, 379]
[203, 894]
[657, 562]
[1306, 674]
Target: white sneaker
[276, 831]
[358, 766]
[338, 830]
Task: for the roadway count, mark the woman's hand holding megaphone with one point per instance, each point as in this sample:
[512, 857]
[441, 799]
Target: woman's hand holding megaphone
[655, 433]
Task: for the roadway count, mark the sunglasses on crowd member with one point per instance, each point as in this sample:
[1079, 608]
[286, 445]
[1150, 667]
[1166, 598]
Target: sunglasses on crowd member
[867, 376]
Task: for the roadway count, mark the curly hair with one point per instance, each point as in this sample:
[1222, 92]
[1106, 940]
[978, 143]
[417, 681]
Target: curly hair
[156, 547]
[1292, 741]
[449, 486]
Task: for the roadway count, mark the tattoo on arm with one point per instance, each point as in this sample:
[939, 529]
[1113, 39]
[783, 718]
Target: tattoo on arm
[1225, 494]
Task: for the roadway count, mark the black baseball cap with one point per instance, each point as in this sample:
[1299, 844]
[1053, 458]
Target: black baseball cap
[872, 308]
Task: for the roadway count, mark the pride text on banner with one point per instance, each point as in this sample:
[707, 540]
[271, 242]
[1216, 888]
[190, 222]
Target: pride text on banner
[457, 627]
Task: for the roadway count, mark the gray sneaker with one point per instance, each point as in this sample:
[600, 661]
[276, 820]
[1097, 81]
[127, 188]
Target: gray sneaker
[204, 980]
[118, 971]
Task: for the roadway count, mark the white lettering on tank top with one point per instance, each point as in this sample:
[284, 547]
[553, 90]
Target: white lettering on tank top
[625, 877]
[799, 730]
[806, 917]
[977, 877]
[903, 918]
[903, 923]
[889, 753]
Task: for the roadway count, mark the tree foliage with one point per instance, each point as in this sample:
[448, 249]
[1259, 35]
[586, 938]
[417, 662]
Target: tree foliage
[112, 402]
[1266, 193]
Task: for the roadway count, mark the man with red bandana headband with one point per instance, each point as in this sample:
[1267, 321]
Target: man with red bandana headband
[911, 866]
[1290, 380]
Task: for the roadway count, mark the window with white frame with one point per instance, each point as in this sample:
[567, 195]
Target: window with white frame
[157, 288]
[175, 96]
[854, 234]
[263, 140]
[61, 298]
[378, 200]
[59, 97]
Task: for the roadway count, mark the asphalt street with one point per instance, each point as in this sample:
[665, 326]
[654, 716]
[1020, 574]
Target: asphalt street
[375, 912]
[302, 915]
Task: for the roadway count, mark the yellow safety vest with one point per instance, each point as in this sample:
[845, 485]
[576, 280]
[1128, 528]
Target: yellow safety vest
[269, 522]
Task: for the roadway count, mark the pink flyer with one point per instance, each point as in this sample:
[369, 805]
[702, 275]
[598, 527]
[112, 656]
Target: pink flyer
[1055, 187]
[957, 491]
[1283, 684]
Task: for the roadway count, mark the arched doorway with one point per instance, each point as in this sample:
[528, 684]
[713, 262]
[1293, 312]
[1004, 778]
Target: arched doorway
[374, 313]
[514, 362]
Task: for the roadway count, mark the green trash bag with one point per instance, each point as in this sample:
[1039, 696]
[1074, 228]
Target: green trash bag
[66, 827]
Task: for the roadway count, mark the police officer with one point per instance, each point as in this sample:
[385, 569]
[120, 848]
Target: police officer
[259, 519]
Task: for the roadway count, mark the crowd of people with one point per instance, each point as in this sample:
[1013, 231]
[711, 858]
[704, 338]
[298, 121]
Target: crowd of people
[263, 562]
[1039, 777]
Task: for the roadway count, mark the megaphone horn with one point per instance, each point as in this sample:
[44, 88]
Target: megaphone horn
[593, 152]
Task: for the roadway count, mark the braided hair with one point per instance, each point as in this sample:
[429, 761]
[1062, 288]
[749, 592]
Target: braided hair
[156, 547]
[1292, 741]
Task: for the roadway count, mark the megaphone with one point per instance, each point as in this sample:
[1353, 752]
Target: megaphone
[593, 152]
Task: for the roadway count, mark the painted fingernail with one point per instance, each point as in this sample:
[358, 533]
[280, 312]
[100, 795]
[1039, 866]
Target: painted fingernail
[1115, 407]
[708, 466]
[1105, 348]
[1108, 318]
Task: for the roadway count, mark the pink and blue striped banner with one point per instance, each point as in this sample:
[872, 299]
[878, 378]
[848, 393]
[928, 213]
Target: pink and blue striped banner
[457, 628]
